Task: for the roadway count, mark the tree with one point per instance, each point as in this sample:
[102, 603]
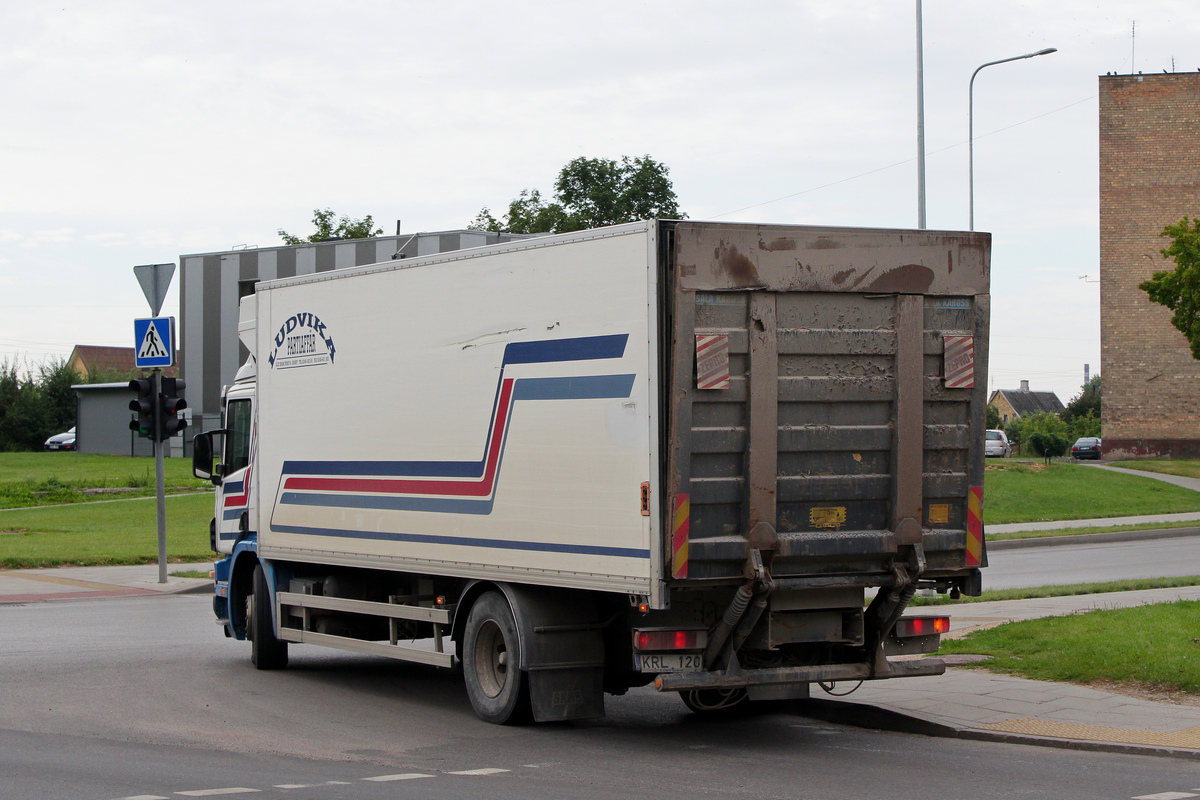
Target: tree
[590, 193]
[993, 418]
[1179, 290]
[1087, 400]
[345, 228]
[36, 406]
[1082, 414]
[55, 379]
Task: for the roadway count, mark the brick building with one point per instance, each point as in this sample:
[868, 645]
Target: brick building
[1149, 178]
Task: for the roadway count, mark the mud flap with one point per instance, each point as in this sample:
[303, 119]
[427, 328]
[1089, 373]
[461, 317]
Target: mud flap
[562, 650]
[563, 694]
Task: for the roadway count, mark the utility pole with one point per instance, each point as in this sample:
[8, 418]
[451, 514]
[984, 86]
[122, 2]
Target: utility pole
[920, 123]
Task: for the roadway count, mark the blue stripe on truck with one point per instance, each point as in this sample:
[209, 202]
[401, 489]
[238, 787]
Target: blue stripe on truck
[466, 541]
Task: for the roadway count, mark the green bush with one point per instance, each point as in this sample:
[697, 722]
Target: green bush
[1048, 445]
[1021, 431]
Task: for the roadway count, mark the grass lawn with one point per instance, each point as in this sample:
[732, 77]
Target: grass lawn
[1187, 468]
[1061, 590]
[1142, 526]
[34, 479]
[1025, 491]
[1152, 645]
[122, 532]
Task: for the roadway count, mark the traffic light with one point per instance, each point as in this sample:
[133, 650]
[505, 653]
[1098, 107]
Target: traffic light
[144, 425]
[170, 404]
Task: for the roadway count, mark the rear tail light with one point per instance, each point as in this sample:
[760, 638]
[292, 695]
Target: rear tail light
[653, 640]
[921, 626]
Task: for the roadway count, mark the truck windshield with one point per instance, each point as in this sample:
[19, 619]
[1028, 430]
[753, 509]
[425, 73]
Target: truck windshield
[237, 438]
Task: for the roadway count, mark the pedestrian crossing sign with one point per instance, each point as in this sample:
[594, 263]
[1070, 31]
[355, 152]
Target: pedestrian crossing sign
[154, 342]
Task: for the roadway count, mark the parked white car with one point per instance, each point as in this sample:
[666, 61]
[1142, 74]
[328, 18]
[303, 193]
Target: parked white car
[61, 441]
[996, 444]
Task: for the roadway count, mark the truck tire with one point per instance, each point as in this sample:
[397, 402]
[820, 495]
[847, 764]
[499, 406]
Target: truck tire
[498, 689]
[266, 651]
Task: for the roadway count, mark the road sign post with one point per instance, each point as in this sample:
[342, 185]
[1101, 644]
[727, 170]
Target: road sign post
[154, 347]
[160, 480]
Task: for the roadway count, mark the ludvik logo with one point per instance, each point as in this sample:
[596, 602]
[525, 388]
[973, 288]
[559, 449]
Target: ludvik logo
[302, 342]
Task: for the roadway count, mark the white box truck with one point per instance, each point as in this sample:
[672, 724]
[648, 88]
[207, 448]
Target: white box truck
[670, 452]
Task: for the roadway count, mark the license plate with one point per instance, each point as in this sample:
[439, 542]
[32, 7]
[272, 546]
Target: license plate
[669, 662]
[53, 447]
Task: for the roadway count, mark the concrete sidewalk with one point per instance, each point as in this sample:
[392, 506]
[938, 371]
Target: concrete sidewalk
[975, 704]
[83, 583]
[964, 703]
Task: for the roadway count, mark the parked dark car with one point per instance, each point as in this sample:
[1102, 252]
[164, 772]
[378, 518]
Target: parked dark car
[61, 441]
[1086, 447]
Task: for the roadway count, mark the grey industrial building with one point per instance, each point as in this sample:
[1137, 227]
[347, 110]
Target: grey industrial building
[211, 284]
[102, 418]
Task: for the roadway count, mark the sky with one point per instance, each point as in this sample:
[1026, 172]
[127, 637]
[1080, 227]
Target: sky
[135, 132]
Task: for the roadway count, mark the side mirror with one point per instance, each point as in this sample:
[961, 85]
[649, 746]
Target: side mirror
[202, 458]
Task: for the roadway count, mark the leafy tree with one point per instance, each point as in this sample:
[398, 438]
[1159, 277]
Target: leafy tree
[526, 214]
[1179, 290]
[329, 228]
[1086, 425]
[993, 418]
[1087, 401]
[55, 379]
[591, 193]
[1082, 414]
[36, 406]
[22, 416]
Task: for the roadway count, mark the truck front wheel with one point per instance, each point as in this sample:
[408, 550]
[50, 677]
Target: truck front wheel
[498, 689]
[266, 651]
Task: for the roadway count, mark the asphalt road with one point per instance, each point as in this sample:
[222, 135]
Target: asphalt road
[1088, 563]
[143, 697]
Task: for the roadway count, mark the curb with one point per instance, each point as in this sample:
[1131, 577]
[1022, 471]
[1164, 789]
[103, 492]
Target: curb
[203, 588]
[859, 715]
[1093, 538]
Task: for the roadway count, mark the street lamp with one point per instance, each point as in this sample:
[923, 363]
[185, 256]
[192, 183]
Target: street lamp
[971, 119]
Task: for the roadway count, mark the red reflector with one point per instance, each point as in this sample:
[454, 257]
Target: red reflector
[921, 626]
[669, 640]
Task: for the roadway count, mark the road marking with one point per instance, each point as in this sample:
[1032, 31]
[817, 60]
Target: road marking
[294, 785]
[213, 792]
[406, 776]
[484, 771]
[1166, 796]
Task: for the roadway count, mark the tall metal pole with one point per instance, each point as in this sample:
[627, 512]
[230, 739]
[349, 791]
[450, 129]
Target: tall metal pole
[971, 124]
[160, 480]
[920, 124]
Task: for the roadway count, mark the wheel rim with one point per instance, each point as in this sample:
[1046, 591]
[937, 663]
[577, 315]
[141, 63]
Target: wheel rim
[491, 659]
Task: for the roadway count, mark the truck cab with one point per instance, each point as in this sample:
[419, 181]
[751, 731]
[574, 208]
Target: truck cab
[232, 533]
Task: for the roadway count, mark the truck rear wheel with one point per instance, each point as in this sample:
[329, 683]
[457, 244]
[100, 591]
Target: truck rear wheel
[498, 689]
[266, 651]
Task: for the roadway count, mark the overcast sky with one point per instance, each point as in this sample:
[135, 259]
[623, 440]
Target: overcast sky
[135, 132]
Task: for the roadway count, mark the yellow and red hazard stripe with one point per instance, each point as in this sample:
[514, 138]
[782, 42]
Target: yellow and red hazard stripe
[679, 536]
[975, 526]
